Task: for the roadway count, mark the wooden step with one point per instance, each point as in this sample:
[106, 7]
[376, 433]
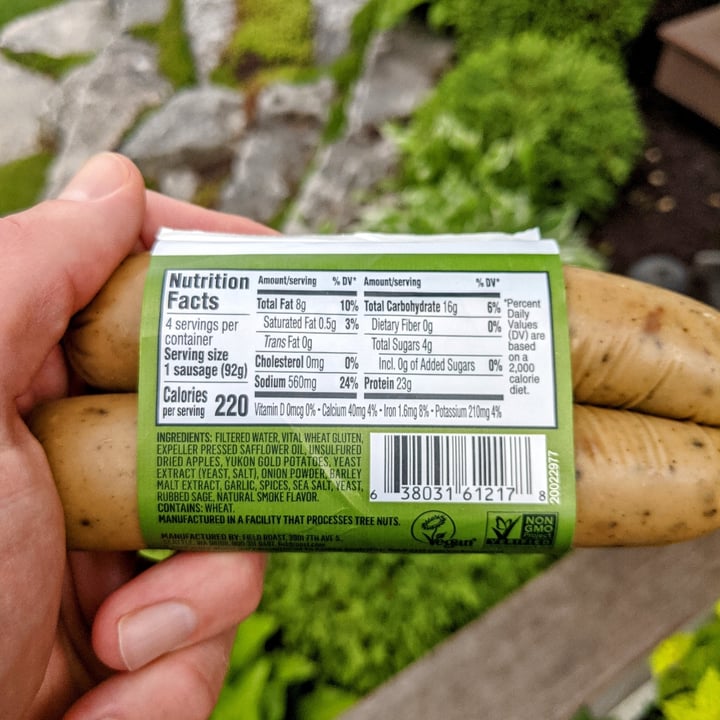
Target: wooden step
[689, 67]
[577, 635]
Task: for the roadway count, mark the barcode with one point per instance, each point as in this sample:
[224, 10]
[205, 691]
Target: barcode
[458, 468]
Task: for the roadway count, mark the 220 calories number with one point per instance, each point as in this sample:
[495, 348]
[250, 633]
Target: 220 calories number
[231, 405]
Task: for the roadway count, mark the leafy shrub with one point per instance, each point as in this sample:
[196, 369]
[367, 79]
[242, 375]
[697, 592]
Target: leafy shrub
[363, 617]
[333, 626]
[260, 680]
[605, 26]
[566, 120]
[686, 668]
[475, 201]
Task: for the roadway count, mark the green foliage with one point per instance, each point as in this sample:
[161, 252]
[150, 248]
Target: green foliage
[22, 182]
[605, 26]
[272, 35]
[475, 201]
[260, 679]
[702, 704]
[175, 59]
[566, 120]
[686, 669]
[325, 702]
[363, 617]
[10, 9]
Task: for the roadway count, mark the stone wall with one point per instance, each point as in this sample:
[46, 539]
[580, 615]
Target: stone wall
[270, 158]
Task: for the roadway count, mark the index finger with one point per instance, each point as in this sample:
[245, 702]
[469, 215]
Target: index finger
[163, 211]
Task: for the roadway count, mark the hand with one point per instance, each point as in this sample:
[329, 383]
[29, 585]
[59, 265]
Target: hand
[85, 635]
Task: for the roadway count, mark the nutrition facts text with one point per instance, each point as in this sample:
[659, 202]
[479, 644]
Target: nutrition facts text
[455, 349]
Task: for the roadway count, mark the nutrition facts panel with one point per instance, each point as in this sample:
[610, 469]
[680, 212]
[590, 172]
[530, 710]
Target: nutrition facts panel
[339, 347]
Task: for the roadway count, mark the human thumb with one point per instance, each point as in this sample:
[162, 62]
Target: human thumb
[58, 254]
[101, 176]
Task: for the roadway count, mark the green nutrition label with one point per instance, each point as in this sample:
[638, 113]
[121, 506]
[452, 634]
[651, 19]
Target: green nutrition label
[356, 393]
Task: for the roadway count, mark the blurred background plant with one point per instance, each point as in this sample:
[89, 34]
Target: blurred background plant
[514, 136]
[174, 57]
[273, 41]
[332, 627]
[605, 27]
[539, 128]
[685, 670]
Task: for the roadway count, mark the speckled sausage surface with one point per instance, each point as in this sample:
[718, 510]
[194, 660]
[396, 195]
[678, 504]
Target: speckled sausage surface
[644, 480]
[638, 346]
[103, 341]
[91, 445]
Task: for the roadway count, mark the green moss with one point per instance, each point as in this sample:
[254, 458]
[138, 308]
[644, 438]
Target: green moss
[175, 58]
[272, 35]
[10, 9]
[375, 16]
[275, 31]
[145, 31]
[22, 182]
[52, 66]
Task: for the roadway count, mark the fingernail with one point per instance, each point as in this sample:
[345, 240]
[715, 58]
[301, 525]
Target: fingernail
[147, 634]
[101, 175]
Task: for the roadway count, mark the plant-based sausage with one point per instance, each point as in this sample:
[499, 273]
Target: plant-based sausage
[103, 341]
[644, 480]
[633, 345]
[91, 444]
[641, 480]
[638, 346]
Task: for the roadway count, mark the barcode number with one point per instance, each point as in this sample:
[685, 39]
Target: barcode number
[458, 468]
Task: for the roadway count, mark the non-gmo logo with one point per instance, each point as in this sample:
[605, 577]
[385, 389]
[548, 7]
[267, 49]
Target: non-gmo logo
[437, 529]
[504, 526]
[521, 529]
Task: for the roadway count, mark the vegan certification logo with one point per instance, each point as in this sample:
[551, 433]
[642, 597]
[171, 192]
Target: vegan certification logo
[437, 529]
[521, 529]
